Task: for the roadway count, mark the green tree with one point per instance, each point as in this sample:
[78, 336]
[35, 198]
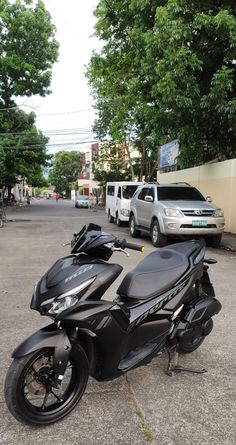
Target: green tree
[167, 71]
[22, 153]
[28, 50]
[65, 170]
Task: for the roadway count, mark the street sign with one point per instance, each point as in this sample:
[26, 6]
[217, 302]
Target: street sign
[168, 154]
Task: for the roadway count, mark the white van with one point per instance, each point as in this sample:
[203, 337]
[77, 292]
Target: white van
[118, 197]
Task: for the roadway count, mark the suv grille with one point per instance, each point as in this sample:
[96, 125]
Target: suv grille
[198, 213]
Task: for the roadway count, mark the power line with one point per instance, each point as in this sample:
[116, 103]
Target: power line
[38, 145]
[68, 25]
[50, 134]
[65, 112]
[46, 114]
[17, 107]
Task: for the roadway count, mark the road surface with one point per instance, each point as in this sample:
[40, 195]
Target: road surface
[144, 406]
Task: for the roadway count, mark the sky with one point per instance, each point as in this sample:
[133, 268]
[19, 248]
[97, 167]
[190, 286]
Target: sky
[69, 108]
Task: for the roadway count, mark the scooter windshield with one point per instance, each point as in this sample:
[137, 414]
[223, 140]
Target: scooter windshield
[79, 238]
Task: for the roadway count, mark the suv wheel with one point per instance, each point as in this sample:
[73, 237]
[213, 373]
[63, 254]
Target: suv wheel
[158, 240]
[214, 241]
[118, 221]
[110, 218]
[132, 227]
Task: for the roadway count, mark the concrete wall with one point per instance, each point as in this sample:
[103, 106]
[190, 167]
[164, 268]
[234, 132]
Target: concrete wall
[217, 180]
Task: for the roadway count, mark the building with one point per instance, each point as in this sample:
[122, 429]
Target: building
[100, 155]
[86, 182]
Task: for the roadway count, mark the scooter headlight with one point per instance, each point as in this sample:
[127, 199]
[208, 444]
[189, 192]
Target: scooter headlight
[65, 301]
[62, 303]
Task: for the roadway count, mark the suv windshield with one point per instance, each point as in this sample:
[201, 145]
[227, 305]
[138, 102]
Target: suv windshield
[83, 197]
[128, 191]
[179, 194]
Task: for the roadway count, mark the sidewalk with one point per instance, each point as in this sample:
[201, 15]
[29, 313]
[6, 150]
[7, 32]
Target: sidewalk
[228, 241]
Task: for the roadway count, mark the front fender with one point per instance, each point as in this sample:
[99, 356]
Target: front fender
[48, 337]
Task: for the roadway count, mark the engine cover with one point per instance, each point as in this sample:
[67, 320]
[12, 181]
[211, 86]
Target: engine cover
[196, 321]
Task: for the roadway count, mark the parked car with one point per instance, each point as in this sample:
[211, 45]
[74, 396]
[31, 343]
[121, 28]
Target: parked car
[118, 197]
[82, 201]
[165, 210]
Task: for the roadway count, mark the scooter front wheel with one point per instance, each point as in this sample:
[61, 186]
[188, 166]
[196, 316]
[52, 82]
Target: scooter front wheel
[30, 393]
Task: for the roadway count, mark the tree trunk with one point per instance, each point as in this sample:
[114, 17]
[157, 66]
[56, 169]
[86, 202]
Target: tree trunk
[153, 170]
[130, 161]
[142, 161]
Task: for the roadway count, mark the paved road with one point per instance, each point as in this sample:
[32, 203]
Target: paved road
[145, 406]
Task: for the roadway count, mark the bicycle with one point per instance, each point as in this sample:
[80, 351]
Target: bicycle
[3, 216]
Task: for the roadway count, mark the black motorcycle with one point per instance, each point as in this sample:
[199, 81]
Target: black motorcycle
[166, 303]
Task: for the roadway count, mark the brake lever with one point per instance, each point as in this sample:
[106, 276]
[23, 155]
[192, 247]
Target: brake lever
[118, 249]
[65, 244]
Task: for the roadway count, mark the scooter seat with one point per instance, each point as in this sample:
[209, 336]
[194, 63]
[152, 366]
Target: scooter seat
[158, 272]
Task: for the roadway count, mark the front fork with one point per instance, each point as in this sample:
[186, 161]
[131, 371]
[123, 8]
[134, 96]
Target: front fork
[61, 356]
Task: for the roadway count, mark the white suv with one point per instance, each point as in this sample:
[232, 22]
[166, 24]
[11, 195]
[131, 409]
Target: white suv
[165, 210]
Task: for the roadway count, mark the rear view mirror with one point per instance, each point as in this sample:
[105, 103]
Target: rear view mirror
[209, 199]
[148, 198]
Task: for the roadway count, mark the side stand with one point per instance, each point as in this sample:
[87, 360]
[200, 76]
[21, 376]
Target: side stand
[172, 366]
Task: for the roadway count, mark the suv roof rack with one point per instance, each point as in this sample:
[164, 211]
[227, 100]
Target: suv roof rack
[152, 182]
[183, 183]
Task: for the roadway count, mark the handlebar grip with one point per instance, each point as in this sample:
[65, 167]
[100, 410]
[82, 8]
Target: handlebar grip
[134, 247]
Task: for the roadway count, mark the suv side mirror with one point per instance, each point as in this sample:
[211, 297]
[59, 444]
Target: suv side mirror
[209, 199]
[148, 198]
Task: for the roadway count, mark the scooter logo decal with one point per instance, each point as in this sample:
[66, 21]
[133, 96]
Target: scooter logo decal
[80, 272]
[159, 304]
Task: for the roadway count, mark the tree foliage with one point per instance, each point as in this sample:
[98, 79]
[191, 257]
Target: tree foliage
[65, 170]
[28, 50]
[22, 152]
[167, 70]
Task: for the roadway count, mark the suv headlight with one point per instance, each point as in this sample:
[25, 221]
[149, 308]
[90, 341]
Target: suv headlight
[218, 212]
[173, 212]
[124, 212]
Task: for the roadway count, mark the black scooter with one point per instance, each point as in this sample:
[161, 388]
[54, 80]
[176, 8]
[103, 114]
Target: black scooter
[165, 304]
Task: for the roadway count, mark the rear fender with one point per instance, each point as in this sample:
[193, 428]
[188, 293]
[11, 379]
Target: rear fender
[48, 337]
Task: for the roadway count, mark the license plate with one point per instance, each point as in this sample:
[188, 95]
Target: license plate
[199, 223]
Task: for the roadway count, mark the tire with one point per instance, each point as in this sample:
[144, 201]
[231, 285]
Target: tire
[132, 228]
[23, 375]
[214, 241]
[118, 221]
[110, 218]
[186, 348]
[1, 223]
[158, 240]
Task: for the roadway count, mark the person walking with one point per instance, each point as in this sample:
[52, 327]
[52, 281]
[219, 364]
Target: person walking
[92, 202]
[57, 196]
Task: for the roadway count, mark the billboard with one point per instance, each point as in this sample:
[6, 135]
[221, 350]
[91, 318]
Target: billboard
[168, 154]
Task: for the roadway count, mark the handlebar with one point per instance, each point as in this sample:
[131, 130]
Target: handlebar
[124, 245]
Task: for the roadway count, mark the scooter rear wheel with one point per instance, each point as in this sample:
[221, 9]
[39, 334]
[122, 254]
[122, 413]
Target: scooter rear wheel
[29, 391]
[186, 348]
